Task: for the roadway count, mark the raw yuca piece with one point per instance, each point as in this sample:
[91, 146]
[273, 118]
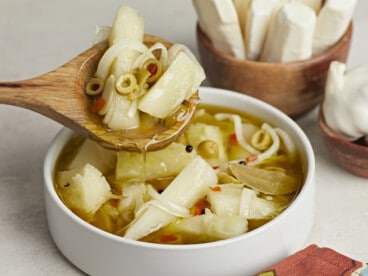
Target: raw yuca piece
[332, 23]
[235, 200]
[174, 86]
[219, 21]
[225, 201]
[314, 4]
[91, 153]
[254, 207]
[210, 225]
[166, 162]
[291, 34]
[133, 197]
[259, 17]
[241, 7]
[123, 113]
[84, 189]
[186, 189]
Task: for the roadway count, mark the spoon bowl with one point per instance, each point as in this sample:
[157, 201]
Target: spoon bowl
[60, 95]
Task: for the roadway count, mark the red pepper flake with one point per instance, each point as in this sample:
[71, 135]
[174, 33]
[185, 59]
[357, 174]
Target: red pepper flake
[98, 104]
[233, 140]
[203, 203]
[170, 238]
[200, 206]
[152, 68]
[216, 189]
[198, 211]
[115, 202]
[215, 167]
[251, 158]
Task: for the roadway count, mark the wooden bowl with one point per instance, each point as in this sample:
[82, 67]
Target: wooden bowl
[352, 156]
[295, 87]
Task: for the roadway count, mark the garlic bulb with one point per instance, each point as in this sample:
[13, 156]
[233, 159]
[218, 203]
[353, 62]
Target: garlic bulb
[345, 107]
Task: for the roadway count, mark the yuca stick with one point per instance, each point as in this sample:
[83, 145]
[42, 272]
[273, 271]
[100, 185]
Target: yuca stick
[219, 21]
[259, 18]
[291, 35]
[332, 22]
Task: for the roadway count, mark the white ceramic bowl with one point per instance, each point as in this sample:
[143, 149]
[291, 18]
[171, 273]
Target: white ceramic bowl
[99, 253]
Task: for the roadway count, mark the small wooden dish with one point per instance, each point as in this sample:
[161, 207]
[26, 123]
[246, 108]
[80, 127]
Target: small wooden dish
[295, 87]
[351, 156]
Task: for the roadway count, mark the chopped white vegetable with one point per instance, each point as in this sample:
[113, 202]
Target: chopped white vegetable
[124, 62]
[212, 226]
[166, 162]
[92, 153]
[225, 201]
[173, 87]
[128, 25]
[111, 54]
[253, 207]
[108, 95]
[133, 198]
[164, 59]
[186, 189]
[84, 189]
[224, 227]
[124, 114]
[286, 140]
[199, 74]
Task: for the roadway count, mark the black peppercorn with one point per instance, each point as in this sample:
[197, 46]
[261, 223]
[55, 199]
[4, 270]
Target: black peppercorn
[189, 148]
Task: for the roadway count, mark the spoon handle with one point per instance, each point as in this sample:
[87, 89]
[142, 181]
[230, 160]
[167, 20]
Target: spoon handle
[46, 94]
[58, 94]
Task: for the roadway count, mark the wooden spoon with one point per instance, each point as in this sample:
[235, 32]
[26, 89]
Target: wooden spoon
[60, 96]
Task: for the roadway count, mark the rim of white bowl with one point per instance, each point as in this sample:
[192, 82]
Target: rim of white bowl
[59, 140]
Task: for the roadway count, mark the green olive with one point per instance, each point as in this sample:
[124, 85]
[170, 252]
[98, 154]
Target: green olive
[261, 140]
[208, 149]
[126, 83]
[153, 66]
[94, 86]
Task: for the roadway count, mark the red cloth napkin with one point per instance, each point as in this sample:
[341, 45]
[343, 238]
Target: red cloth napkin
[316, 261]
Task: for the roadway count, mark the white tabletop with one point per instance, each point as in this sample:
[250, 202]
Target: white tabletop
[38, 36]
